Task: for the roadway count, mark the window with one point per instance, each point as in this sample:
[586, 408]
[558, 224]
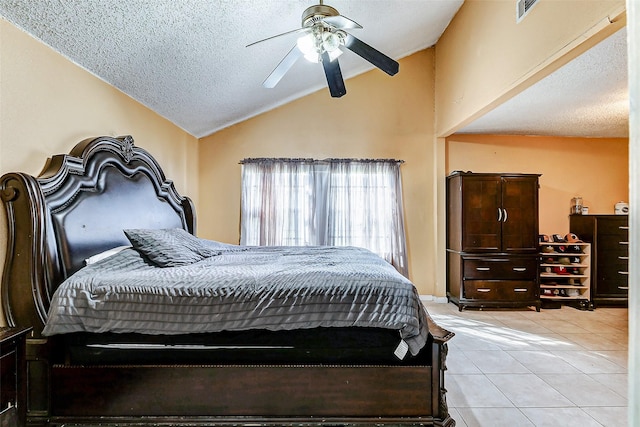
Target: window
[336, 202]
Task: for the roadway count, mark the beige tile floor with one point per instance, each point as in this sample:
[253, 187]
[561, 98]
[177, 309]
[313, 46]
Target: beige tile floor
[512, 368]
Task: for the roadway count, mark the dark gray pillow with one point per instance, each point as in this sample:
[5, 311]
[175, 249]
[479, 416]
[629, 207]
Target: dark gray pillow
[169, 247]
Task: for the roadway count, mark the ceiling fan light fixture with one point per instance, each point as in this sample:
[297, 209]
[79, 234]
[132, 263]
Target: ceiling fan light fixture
[308, 45]
[331, 41]
[334, 54]
[320, 40]
[313, 57]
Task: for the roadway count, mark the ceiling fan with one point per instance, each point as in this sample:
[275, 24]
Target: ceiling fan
[322, 37]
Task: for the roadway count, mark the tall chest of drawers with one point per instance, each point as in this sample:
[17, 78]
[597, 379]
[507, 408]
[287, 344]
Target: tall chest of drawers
[609, 238]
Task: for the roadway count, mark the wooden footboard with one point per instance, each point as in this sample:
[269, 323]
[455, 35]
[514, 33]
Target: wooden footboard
[238, 395]
[246, 395]
[246, 391]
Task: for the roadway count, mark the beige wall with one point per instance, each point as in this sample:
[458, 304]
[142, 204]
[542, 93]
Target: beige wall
[48, 104]
[485, 57]
[482, 59]
[380, 117]
[593, 168]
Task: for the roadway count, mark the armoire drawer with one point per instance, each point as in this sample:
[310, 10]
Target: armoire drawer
[500, 290]
[490, 268]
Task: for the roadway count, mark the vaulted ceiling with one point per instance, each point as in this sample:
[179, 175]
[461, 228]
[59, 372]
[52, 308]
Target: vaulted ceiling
[188, 60]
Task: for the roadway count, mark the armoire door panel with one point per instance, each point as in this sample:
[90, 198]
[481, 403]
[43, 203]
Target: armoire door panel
[481, 201]
[519, 200]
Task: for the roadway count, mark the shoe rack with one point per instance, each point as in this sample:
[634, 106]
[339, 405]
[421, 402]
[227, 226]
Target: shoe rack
[565, 274]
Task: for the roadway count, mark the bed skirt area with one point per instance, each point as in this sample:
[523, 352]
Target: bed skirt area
[190, 395]
[336, 346]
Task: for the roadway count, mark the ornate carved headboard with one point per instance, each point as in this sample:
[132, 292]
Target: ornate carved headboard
[77, 207]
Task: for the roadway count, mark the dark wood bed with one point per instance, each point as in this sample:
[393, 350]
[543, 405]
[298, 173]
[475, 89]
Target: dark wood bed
[77, 207]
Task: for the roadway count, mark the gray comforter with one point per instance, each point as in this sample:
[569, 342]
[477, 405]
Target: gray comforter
[273, 288]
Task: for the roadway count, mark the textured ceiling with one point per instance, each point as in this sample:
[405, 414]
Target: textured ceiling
[588, 97]
[188, 61]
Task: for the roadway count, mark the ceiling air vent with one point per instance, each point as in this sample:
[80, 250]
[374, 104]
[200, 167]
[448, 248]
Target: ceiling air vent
[523, 7]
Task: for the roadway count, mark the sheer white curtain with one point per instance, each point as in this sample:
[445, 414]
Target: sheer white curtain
[278, 203]
[365, 199]
[337, 202]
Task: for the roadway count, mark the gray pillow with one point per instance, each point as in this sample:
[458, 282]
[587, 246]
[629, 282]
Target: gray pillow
[169, 247]
[213, 244]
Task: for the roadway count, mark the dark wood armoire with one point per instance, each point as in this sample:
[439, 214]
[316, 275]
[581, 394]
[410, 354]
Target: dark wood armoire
[492, 240]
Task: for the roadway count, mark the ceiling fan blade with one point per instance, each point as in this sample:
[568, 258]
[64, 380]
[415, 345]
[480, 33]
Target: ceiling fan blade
[282, 68]
[334, 76]
[342, 22]
[297, 30]
[372, 55]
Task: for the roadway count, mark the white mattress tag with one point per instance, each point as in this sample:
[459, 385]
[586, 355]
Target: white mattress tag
[402, 349]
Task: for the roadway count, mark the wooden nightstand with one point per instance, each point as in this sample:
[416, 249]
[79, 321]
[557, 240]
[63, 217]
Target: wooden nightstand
[13, 391]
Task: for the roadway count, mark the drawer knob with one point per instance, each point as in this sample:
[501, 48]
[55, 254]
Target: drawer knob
[520, 290]
[519, 268]
[483, 269]
[484, 289]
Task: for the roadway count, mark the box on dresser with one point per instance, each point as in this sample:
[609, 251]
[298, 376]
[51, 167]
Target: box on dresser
[609, 238]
